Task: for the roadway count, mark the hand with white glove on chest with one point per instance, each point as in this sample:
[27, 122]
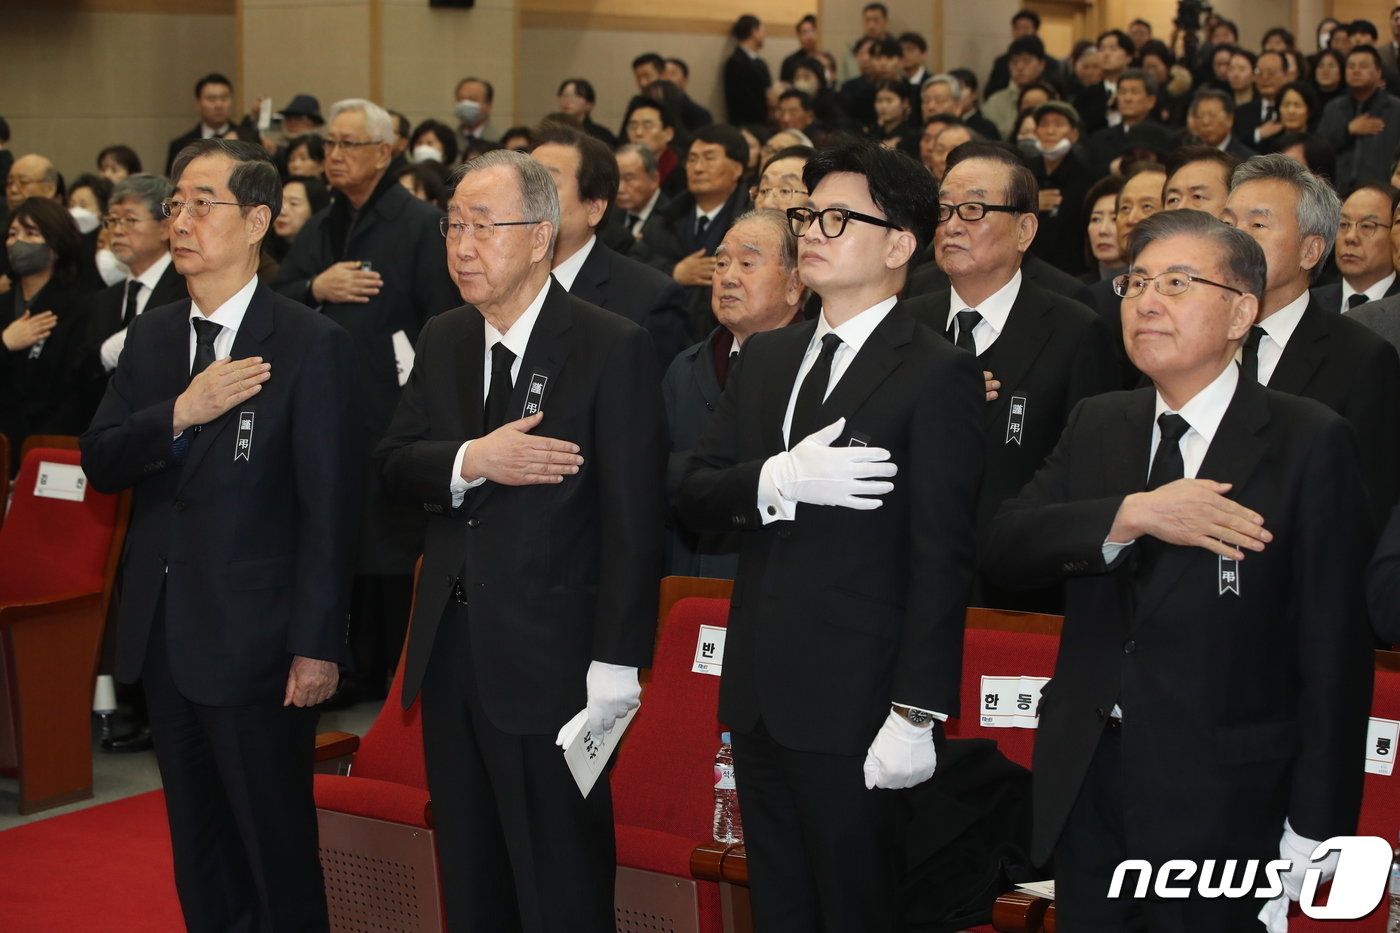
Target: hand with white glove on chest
[819, 474]
[902, 754]
[613, 691]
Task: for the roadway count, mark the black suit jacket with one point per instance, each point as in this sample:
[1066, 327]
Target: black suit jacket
[1239, 707]
[178, 143]
[556, 575]
[1330, 295]
[39, 388]
[639, 293]
[105, 320]
[1091, 103]
[746, 82]
[839, 612]
[253, 556]
[1383, 583]
[1356, 373]
[929, 278]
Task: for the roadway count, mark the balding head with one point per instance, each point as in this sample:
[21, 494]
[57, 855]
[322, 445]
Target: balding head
[32, 176]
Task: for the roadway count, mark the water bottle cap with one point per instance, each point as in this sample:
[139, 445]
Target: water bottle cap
[724, 737]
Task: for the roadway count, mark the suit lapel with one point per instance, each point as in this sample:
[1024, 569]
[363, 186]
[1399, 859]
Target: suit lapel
[591, 282]
[545, 356]
[1016, 350]
[251, 340]
[470, 364]
[1304, 353]
[878, 357]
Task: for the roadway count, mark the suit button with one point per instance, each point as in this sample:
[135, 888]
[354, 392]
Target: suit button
[1129, 646]
[473, 522]
[179, 506]
[1100, 713]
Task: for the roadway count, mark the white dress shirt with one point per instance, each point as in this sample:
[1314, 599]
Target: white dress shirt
[1278, 327]
[772, 507]
[567, 271]
[112, 347]
[516, 339]
[1376, 291]
[229, 315]
[995, 311]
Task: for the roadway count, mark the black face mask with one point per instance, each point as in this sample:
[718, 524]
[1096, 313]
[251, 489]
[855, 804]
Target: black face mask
[29, 258]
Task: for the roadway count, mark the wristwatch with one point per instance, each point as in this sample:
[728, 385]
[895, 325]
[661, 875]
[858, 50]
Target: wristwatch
[916, 717]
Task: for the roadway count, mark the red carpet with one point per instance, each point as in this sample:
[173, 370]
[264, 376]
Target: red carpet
[105, 869]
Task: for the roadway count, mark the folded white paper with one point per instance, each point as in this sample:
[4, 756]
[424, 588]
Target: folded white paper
[587, 754]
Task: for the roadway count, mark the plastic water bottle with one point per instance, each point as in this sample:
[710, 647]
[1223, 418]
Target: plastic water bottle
[729, 827]
[1392, 925]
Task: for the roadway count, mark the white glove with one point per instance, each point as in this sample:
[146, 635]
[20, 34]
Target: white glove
[1298, 851]
[819, 474]
[902, 755]
[612, 691]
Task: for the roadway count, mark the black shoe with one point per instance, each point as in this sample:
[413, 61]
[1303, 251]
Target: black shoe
[137, 740]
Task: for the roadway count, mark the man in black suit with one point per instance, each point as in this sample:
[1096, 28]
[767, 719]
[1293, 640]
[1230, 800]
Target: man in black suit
[1045, 351]
[1363, 250]
[1210, 119]
[587, 178]
[692, 114]
[845, 631]
[1297, 345]
[639, 195]
[746, 76]
[1213, 679]
[372, 262]
[682, 242]
[756, 289]
[537, 597]
[140, 238]
[1258, 120]
[213, 98]
[232, 419]
[1097, 104]
[1383, 583]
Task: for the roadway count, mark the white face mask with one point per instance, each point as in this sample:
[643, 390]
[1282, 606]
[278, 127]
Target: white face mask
[806, 87]
[86, 220]
[467, 111]
[1055, 151]
[427, 153]
[112, 269]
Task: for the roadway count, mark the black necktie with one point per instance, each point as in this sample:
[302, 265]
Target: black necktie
[133, 289]
[205, 333]
[1249, 357]
[967, 323]
[1167, 464]
[807, 412]
[700, 226]
[498, 395]
[1356, 301]
[632, 221]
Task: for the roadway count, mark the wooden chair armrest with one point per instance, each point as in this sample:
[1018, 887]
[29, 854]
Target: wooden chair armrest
[17, 613]
[335, 751]
[1015, 912]
[718, 861]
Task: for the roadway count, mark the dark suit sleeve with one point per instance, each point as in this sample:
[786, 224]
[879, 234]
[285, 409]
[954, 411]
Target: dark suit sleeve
[630, 430]
[328, 460]
[1042, 536]
[125, 443]
[1332, 542]
[676, 374]
[1373, 408]
[1383, 583]
[719, 493]
[669, 323]
[302, 263]
[434, 291]
[415, 465]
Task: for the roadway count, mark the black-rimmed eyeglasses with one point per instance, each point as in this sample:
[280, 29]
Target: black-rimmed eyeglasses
[454, 229]
[972, 211]
[831, 221]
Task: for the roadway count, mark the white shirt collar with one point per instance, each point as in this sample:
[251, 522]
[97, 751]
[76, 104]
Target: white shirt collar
[645, 212]
[1203, 412]
[518, 337]
[994, 310]
[710, 214]
[857, 330]
[1281, 324]
[230, 313]
[151, 276]
[1377, 290]
[567, 270]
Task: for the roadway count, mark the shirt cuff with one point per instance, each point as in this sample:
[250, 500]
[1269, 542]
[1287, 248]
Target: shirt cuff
[1111, 549]
[458, 486]
[772, 507]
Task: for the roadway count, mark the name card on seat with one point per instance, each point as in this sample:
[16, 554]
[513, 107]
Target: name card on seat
[61, 481]
[1010, 702]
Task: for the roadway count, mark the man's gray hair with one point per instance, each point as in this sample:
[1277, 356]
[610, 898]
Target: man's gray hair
[1240, 256]
[777, 220]
[148, 189]
[538, 194]
[954, 85]
[649, 163]
[378, 124]
[1319, 209]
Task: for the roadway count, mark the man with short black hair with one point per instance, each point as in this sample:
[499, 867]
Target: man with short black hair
[1026, 61]
[213, 98]
[1363, 250]
[1362, 125]
[845, 635]
[639, 190]
[1198, 179]
[1211, 120]
[746, 77]
[806, 47]
[1098, 103]
[795, 110]
[1136, 98]
[692, 114]
[586, 175]
[475, 97]
[233, 418]
[914, 47]
[1179, 517]
[1023, 23]
[1258, 120]
[646, 68]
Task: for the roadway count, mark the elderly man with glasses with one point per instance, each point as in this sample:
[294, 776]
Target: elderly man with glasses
[847, 452]
[372, 262]
[1042, 351]
[1210, 695]
[531, 432]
